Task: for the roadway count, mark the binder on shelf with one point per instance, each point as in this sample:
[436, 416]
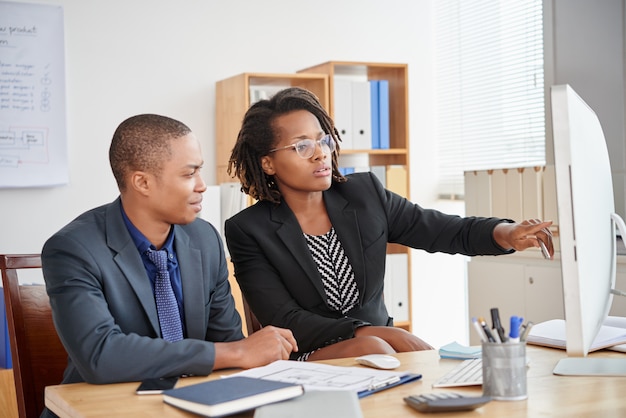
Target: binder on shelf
[513, 195]
[258, 93]
[346, 170]
[383, 114]
[374, 111]
[498, 190]
[397, 180]
[361, 115]
[380, 171]
[532, 178]
[342, 105]
[477, 193]
[396, 291]
[483, 193]
[549, 194]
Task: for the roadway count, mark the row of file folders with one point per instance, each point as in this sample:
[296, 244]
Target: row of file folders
[361, 113]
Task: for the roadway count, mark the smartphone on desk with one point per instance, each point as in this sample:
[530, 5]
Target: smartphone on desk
[156, 385]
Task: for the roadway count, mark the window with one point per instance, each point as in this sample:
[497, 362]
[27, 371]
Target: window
[489, 87]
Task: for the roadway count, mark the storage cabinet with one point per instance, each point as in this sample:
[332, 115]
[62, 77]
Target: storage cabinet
[516, 285]
[234, 96]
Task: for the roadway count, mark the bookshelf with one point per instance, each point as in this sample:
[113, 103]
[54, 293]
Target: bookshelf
[234, 96]
[232, 100]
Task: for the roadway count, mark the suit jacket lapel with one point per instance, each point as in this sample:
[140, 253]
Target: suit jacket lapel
[129, 261]
[190, 265]
[344, 220]
[289, 231]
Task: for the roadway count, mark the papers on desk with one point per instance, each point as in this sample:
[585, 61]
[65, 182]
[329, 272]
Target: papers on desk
[552, 334]
[618, 322]
[316, 376]
[457, 351]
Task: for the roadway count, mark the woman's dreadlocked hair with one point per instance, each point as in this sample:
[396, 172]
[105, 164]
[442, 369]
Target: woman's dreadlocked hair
[256, 139]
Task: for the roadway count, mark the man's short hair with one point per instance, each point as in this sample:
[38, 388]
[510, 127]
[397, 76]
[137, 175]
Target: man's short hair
[142, 143]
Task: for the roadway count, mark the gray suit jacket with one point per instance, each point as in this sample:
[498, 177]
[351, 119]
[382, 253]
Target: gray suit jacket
[280, 280]
[103, 305]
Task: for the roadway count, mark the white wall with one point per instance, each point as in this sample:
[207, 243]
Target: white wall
[125, 57]
[139, 56]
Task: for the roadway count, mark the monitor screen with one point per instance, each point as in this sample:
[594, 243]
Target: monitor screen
[587, 218]
[585, 204]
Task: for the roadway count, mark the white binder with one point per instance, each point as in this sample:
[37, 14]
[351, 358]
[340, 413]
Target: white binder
[396, 290]
[342, 106]
[361, 115]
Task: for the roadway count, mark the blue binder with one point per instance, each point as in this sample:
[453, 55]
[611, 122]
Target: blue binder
[375, 114]
[383, 113]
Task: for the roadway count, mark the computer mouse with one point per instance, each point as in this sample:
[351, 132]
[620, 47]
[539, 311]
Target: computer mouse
[378, 361]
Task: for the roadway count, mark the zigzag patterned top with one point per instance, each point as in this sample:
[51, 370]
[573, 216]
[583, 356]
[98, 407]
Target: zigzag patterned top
[335, 269]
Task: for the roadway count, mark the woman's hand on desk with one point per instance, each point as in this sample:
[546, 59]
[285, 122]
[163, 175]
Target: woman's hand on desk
[263, 347]
[400, 339]
[527, 234]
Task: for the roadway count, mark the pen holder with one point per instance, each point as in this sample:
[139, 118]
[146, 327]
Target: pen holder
[504, 371]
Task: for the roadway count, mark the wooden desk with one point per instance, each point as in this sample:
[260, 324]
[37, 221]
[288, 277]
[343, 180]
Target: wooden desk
[548, 395]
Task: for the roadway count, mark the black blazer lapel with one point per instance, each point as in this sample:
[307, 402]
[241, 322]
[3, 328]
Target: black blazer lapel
[344, 220]
[288, 230]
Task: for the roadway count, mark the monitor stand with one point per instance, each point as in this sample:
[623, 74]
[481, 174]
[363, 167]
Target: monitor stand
[590, 366]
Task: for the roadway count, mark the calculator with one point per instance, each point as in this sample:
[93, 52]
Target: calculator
[445, 402]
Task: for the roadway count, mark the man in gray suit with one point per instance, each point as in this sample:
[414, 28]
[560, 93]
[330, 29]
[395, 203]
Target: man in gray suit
[100, 278]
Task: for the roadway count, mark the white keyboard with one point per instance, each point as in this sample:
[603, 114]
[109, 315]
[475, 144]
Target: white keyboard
[467, 373]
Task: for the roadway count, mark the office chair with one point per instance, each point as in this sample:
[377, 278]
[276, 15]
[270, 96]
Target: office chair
[248, 318]
[38, 356]
[252, 322]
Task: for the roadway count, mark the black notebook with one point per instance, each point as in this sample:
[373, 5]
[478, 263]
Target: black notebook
[227, 396]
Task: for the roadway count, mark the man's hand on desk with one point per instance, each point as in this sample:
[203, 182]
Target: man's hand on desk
[263, 347]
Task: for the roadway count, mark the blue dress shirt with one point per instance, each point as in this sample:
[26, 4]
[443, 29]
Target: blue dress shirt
[143, 245]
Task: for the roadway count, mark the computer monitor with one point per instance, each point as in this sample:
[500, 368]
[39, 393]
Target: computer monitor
[587, 227]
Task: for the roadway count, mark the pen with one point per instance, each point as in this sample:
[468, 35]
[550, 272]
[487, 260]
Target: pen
[479, 330]
[544, 250]
[485, 328]
[526, 330]
[495, 319]
[383, 383]
[516, 322]
[496, 336]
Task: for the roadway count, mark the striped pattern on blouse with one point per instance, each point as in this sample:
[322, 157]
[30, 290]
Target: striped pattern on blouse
[335, 269]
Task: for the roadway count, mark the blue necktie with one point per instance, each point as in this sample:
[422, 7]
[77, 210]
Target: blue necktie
[167, 307]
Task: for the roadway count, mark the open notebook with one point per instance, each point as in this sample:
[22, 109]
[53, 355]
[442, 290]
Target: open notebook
[551, 333]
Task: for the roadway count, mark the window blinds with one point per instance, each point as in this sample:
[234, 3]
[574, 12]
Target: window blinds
[489, 87]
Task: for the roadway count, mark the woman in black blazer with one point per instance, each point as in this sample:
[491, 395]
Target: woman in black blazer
[310, 254]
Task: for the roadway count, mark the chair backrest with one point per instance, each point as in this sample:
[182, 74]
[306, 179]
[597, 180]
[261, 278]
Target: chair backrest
[252, 322]
[38, 356]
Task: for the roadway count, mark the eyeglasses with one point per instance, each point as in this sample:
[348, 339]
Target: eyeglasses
[306, 147]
